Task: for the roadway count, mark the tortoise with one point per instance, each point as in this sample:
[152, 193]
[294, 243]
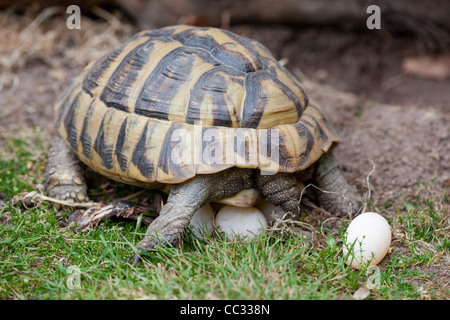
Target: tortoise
[192, 109]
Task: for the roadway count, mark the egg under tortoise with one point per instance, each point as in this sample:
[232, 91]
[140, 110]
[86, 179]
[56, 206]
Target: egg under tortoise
[202, 111]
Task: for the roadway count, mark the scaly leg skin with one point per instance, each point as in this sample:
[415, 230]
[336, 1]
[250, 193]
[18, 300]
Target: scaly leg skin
[336, 195]
[63, 176]
[281, 189]
[184, 199]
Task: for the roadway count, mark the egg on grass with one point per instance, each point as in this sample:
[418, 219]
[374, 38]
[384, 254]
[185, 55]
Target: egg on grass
[202, 222]
[368, 238]
[240, 222]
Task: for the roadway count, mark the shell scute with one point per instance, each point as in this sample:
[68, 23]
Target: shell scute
[121, 114]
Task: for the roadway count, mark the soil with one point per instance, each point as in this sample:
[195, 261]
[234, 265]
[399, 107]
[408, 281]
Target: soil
[394, 127]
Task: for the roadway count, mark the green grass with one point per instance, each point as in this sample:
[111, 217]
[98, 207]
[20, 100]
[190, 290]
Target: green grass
[39, 259]
[36, 257]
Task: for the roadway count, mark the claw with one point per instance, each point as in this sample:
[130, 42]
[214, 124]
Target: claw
[134, 259]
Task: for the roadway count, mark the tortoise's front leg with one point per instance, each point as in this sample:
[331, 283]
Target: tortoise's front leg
[184, 199]
[336, 195]
[63, 177]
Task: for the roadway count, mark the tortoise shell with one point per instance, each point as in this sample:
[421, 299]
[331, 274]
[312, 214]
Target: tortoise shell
[128, 114]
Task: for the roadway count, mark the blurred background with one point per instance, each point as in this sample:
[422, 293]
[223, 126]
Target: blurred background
[327, 40]
[404, 66]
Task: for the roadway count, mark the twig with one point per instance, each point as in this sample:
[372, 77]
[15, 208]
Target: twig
[324, 191]
[369, 193]
[367, 179]
[284, 220]
[46, 13]
[107, 16]
[35, 198]
[131, 196]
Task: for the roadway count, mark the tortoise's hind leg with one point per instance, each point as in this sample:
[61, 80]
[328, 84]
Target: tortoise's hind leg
[63, 177]
[281, 189]
[185, 198]
[336, 195]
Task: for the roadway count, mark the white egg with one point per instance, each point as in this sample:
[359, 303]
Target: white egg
[237, 221]
[269, 210]
[370, 235]
[202, 223]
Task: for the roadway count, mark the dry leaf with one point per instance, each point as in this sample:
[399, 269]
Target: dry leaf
[361, 293]
[427, 66]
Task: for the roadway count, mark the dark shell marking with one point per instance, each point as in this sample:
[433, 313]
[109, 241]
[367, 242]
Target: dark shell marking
[119, 114]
